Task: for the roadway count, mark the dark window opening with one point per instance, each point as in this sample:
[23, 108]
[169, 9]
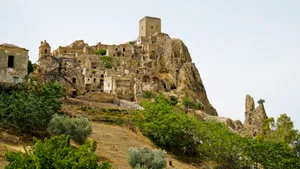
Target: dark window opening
[73, 80]
[101, 84]
[116, 49]
[123, 49]
[45, 50]
[94, 65]
[10, 62]
[65, 51]
[173, 87]
[102, 76]
[123, 54]
[94, 80]
[151, 27]
[137, 71]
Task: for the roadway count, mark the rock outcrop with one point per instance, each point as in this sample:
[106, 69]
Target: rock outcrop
[175, 64]
[235, 126]
[254, 117]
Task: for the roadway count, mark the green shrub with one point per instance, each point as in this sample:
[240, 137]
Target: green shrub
[56, 152]
[271, 154]
[173, 100]
[101, 52]
[149, 95]
[220, 145]
[168, 128]
[78, 128]
[146, 158]
[192, 104]
[132, 43]
[107, 61]
[30, 109]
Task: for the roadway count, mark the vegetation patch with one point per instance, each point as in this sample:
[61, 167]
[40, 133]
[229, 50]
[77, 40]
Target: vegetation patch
[29, 110]
[100, 52]
[146, 158]
[192, 104]
[149, 95]
[77, 128]
[56, 152]
[171, 129]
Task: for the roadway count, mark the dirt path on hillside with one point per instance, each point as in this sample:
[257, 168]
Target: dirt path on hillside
[114, 141]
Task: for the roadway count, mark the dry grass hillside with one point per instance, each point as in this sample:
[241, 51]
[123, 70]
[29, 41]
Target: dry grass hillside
[114, 141]
[112, 145]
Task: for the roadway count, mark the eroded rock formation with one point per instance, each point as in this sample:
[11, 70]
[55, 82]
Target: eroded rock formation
[254, 117]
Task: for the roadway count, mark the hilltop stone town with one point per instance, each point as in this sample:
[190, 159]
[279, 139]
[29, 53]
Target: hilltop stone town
[154, 62]
[105, 82]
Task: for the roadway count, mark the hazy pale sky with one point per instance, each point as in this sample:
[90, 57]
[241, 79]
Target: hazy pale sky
[239, 47]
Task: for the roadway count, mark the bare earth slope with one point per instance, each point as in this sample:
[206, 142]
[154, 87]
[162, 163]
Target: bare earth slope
[114, 141]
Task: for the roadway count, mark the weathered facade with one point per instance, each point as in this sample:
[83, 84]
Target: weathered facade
[153, 62]
[13, 64]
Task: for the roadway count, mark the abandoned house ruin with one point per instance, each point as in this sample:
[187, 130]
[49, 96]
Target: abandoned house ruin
[13, 64]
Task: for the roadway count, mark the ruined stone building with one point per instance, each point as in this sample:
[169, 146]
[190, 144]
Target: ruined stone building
[13, 64]
[152, 62]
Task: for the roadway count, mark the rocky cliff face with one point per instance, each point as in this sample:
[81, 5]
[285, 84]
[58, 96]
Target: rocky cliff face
[254, 117]
[175, 63]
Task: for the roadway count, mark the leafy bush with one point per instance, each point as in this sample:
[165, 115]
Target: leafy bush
[222, 146]
[132, 43]
[271, 154]
[192, 104]
[78, 128]
[30, 109]
[167, 127]
[173, 100]
[146, 158]
[107, 61]
[101, 52]
[56, 152]
[149, 95]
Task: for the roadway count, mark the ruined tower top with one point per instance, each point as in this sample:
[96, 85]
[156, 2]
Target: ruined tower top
[149, 26]
[44, 48]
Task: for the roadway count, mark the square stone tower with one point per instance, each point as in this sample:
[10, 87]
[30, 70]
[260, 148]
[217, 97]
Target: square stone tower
[149, 26]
